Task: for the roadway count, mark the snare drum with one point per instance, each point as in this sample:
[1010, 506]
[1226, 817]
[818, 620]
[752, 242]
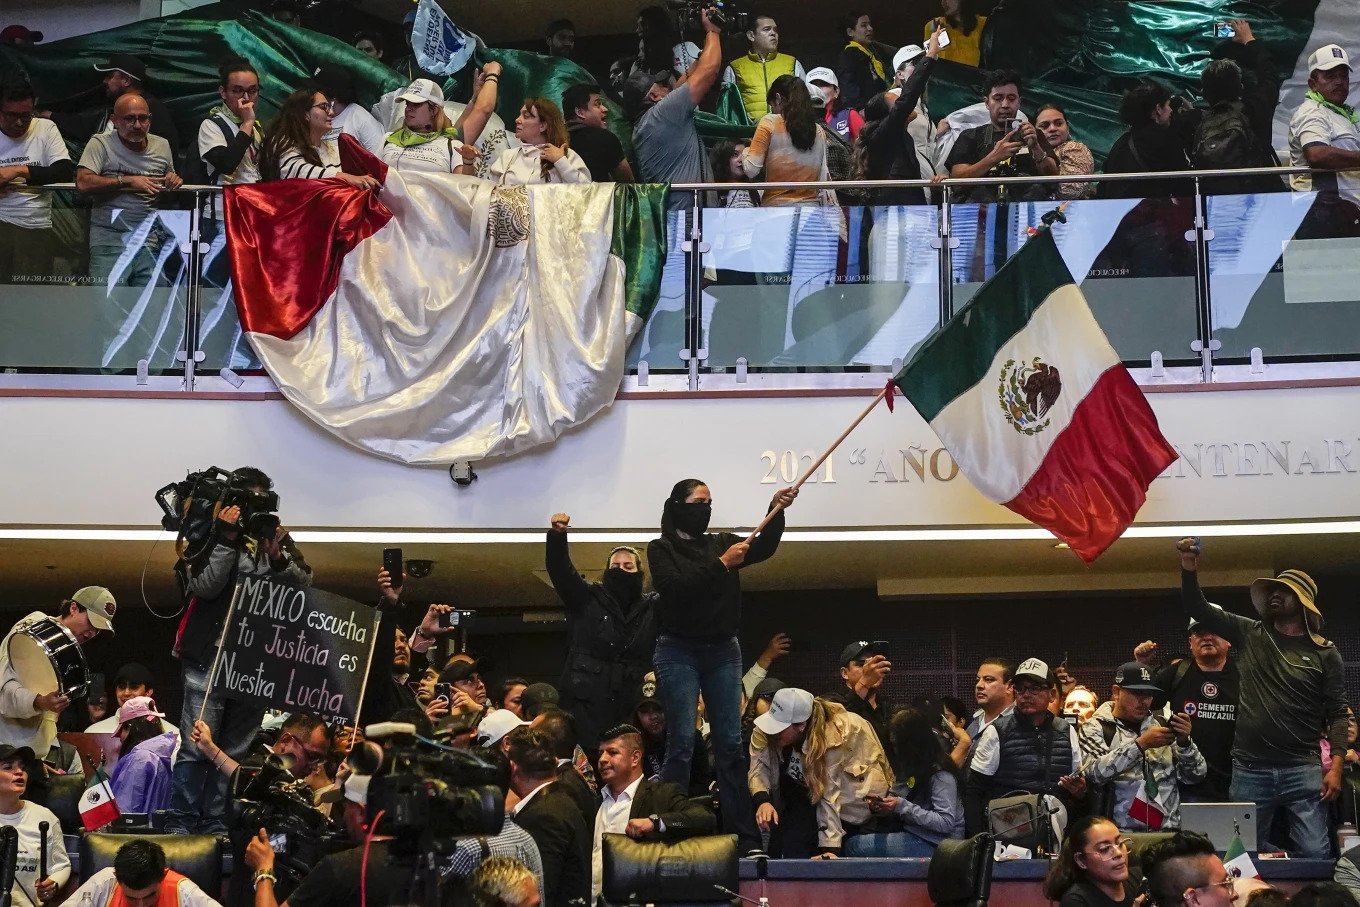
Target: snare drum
[47, 658]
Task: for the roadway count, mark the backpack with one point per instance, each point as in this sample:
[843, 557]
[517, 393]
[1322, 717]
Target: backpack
[195, 171]
[1223, 140]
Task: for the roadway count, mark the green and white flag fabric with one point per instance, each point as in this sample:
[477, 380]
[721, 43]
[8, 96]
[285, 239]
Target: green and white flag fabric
[1238, 862]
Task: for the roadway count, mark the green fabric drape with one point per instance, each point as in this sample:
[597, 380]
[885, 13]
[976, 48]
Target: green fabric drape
[639, 240]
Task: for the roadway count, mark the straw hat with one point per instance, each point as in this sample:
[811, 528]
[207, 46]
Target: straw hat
[1303, 587]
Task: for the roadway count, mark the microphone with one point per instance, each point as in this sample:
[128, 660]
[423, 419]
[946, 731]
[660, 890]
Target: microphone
[9, 855]
[763, 902]
[42, 850]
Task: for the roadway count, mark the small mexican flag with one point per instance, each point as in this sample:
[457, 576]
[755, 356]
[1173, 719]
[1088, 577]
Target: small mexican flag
[97, 805]
[1025, 392]
[1238, 862]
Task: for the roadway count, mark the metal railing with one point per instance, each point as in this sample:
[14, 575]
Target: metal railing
[695, 247]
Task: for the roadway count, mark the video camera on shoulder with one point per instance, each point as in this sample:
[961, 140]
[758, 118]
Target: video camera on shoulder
[190, 508]
[726, 14]
[266, 795]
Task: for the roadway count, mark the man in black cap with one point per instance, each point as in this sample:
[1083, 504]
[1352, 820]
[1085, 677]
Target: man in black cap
[19, 36]
[1137, 761]
[536, 698]
[1204, 686]
[1293, 688]
[863, 670]
[93, 113]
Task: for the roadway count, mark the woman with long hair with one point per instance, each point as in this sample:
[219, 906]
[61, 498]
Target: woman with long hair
[696, 574]
[965, 31]
[1160, 130]
[725, 160]
[925, 804]
[1073, 156]
[815, 770]
[788, 145]
[294, 147]
[1092, 868]
[544, 156]
[141, 778]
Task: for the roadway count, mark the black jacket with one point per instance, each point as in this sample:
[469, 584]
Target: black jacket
[699, 597]
[858, 81]
[385, 696]
[555, 823]
[1149, 147]
[570, 782]
[1260, 97]
[609, 646]
[1032, 759]
[683, 817]
[891, 150]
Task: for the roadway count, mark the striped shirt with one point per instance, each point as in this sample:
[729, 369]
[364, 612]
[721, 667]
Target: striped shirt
[293, 166]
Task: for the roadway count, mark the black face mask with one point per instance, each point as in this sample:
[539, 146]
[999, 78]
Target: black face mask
[624, 586]
[692, 519]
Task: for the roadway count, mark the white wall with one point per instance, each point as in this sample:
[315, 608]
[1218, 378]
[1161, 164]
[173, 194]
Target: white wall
[58, 19]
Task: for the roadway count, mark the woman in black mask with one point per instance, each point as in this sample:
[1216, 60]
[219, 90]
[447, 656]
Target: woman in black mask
[611, 631]
[699, 611]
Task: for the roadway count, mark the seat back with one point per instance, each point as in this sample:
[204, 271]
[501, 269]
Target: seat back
[1139, 842]
[63, 798]
[960, 873]
[685, 872]
[197, 856]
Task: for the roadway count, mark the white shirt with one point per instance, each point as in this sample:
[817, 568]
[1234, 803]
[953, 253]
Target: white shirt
[527, 797]
[439, 155]
[99, 888]
[356, 121]
[20, 723]
[210, 136]
[612, 819]
[987, 750]
[40, 145]
[1315, 124]
[26, 822]
[523, 166]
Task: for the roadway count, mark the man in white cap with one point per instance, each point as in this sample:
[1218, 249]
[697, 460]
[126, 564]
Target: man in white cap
[1323, 133]
[28, 718]
[813, 803]
[495, 726]
[826, 90]
[1293, 686]
[1025, 750]
[755, 71]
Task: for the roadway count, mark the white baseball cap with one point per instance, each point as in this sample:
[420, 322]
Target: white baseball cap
[788, 707]
[496, 725]
[906, 55]
[822, 74]
[421, 91]
[1329, 56]
[1034, 669]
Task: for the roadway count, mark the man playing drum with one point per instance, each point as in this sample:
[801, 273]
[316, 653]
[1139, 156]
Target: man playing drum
[27, 717]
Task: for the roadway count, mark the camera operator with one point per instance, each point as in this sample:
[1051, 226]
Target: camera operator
[139, 876]
[337, 880]
[198, 795]
[388, 692]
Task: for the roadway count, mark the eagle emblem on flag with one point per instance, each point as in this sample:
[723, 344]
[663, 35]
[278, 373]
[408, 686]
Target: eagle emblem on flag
[1027, 392]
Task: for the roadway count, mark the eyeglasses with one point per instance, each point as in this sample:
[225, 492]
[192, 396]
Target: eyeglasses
[237, 91]
[1107, 850]
[1030, 691]
[136, 119]
[327, 106]
[22, 116]
[312, 755]
[1226, 885]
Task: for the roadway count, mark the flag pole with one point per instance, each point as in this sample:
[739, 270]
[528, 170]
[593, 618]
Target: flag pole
[817, 464]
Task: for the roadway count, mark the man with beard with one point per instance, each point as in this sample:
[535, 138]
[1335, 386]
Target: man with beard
[1292, 685]
[1204, 686]
[611, 632]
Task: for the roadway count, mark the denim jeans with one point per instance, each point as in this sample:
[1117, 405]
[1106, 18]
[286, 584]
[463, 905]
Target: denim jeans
[887, 844]
[1296, 789]
[684, 668]
[198, 792]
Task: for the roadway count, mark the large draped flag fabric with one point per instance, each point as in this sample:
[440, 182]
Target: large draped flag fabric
[444, 318]
[1026, 393]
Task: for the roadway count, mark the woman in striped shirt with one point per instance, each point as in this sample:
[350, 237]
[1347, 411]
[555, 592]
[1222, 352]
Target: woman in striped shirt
[788, 144]
[293, 146]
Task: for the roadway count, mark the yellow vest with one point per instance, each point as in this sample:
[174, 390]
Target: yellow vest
[754, 77]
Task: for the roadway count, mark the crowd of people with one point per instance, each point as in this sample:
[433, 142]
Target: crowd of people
[866, 116]
[656, 730]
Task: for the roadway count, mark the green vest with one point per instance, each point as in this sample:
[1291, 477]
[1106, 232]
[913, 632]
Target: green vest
[754, 77]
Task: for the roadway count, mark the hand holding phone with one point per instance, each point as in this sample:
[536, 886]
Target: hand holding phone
[393, 564]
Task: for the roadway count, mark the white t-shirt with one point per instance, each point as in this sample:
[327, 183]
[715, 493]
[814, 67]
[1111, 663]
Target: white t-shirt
[523, 166]
[40, 146]
[439, 155]
[1315, 124]
[356, 121]
[99, 889]
[210, 136]
[25, 822]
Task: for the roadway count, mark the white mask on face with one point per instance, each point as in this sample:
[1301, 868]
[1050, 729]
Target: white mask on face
[818, 95]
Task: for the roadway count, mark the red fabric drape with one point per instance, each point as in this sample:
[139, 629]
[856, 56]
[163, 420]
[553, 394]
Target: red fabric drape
[288, 238]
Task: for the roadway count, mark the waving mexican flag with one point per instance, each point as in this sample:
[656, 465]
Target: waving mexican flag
[444, 318]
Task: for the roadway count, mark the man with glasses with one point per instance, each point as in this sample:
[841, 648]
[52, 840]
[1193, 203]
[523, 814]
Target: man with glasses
[1025, 750]
[125, 172]
[31, 153]
[1186, 870]
[1137, 760]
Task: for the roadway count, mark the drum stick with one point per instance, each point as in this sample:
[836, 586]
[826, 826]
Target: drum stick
[42, 850]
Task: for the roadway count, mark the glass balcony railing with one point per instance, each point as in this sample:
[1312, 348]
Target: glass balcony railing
[1192, 281]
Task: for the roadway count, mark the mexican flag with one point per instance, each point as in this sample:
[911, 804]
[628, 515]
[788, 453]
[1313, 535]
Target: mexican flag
[1238, 862]
[97, 805]
[1030, 399]
[444, 318]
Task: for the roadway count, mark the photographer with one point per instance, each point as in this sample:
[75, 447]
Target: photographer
[198, 795]
[612, 632]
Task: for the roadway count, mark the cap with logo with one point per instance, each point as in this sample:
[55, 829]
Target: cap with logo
[422, 91]
[1135, 677]
[789, 706]
[1329, 56]
[1033, 669]
[906, 55]
[99, 604]
[127, 64]
[823, 75]
[496, 725]
[853, 652]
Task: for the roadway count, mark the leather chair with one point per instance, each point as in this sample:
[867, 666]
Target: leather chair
[63, 798]
[678, 875]
[1139, 842]
[960, 873]
[197, 856]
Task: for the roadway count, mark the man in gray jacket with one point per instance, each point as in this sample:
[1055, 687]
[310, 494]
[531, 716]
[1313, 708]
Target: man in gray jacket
[1136, 762]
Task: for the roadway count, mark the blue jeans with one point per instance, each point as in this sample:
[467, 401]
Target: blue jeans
[684, 668]
[198, 792]
[887, 844]
[1297, 789]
